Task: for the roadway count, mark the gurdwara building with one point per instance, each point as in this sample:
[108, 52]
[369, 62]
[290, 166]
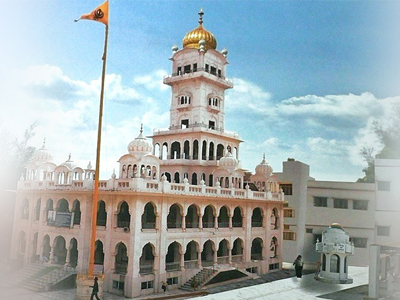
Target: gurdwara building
[178, 206]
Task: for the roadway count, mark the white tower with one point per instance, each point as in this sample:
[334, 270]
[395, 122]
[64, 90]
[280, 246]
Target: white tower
[196, 138]
[334, 249]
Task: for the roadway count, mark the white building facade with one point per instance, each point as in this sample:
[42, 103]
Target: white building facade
[312, 206]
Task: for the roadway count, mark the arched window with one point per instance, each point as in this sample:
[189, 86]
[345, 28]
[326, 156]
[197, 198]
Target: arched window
[73, 246]
[175, 150]
[146, 261]
[98, 253]
[237, 250]
[207, 255]
[173, 257]
[25, 209]
[256, 249]
[176, 177]
[196, 149]
[123, 217]
[59, 250]
[220, 151]
[192, 217]
[335, 263]
[204, 151]
[62, 206]
[191, 255]
[37, 209]
[174, 218]
[223, 218]
[101, 214]
[186, 150]
[223, 252]
[211, 152]
[237, 219]
[208, 217]
[194, 179]
[76, 209]
[257, 218]
[149, 217]
[121, 259]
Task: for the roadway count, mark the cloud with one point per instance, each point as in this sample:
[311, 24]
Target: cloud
[153, 80]
[247, 97]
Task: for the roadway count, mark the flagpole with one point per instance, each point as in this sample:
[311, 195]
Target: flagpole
[97, 169]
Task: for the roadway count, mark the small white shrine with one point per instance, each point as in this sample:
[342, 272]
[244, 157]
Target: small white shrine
[334, 248]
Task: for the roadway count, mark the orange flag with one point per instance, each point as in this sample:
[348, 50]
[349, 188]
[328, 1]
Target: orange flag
[100, 14]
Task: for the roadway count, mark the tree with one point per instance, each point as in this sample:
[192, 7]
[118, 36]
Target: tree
[389, 136]
[14, 155]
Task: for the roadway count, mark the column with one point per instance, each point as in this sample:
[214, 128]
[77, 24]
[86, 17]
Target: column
[68, 257]
[216, 222]
[230, 221]
[200, 222]
[51, 255]
[183, 222]
[373, 275]
[230, 255]
[182, 264]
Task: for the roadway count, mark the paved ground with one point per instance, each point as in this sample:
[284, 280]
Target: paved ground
[278, 285]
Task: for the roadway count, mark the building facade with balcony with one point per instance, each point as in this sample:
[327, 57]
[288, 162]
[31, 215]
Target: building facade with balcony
[177, 205]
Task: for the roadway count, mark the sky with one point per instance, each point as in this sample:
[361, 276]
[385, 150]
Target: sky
[310, 77]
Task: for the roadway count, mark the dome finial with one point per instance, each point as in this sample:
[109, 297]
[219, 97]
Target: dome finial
[201, 13]
[141, 128]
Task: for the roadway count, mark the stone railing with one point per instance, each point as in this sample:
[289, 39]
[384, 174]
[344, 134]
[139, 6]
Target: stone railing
[152, 186]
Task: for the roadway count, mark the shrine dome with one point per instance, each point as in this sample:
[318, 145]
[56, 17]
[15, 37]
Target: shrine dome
[42, 154]
[192, 39]
[264, 168]
[228, 161]
[140, 144]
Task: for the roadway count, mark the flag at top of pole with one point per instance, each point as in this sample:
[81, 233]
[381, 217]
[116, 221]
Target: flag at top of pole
[100, 14]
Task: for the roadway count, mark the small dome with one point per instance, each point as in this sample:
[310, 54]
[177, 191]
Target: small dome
[264, 168]
[69, 163]
[140, 144]
[228, 161]
[336, 226]
[42, 154]
[193, 38]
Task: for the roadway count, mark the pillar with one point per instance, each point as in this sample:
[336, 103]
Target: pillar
[373, 276]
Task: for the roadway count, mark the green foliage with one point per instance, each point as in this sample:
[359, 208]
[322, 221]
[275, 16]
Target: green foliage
[14, 156]
[389, 136]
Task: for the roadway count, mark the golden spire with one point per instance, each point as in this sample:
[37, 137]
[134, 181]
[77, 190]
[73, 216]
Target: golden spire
[192, 38]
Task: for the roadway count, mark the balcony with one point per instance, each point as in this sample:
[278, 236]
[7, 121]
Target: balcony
[199, 72]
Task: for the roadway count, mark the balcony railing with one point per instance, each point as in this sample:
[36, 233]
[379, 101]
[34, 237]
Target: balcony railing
[173, 266]
[156, 186]
[191, 264]
[147, 268]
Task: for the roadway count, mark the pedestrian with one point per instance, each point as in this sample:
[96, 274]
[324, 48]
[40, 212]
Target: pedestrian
[317, 270]
[298, 266]
[163, 286]
[95, 290]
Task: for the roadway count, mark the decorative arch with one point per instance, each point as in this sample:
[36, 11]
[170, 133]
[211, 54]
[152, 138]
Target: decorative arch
[149, 216]
[146, 261]
[121, 258]
[257, 249]
[123, 216]
[174, 218]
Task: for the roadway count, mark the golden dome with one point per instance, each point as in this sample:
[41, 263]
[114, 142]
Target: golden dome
[192, 38]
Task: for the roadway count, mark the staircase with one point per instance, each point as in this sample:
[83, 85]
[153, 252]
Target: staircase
[36, 277]
[201, 279]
